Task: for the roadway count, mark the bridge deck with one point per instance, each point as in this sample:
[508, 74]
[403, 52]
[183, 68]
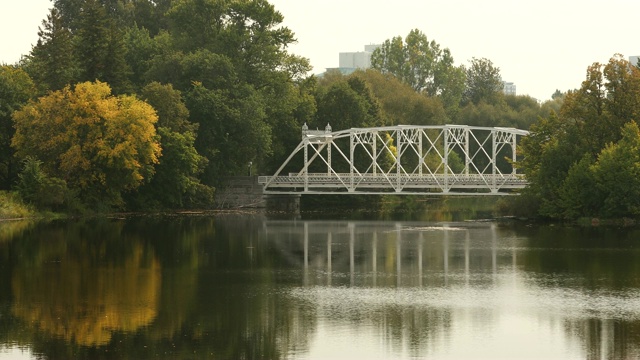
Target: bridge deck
[390, 183]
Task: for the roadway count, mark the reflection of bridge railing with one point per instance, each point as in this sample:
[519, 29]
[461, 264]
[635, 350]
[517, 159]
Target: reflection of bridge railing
[404, 159]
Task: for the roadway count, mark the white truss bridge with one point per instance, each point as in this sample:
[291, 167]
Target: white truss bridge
[403, 159]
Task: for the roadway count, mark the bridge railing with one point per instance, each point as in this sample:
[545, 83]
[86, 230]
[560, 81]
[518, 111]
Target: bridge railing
[394, 182]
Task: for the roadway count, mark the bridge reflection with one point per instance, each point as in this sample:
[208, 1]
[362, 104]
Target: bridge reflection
[393, 254]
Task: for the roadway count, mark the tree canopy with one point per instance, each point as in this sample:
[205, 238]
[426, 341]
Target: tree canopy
[100, 144]
[422, 64]
[583, 161]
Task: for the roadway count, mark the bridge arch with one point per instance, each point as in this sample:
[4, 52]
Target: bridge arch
[402, 159]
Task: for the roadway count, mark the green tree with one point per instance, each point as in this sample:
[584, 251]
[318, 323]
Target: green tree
[92, 40]
[99, 144]
[608, 98]
[175, 183]
[617, 173]
[589, 126]
[35, 187]
[16, 88]
[232, 129]
[400, 104]
[140, 49]
[348, 104]
[52, 63]
[100, 48]
[546, 156]
[483, 82]
[579, 193]
[422, 64]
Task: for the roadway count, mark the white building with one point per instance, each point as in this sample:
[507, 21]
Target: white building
[351, 61]
[356, 60]
[508, 88]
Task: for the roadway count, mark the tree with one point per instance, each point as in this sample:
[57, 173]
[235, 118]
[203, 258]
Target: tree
[608, 98]
[348, 104]
[400, 104]
[175, 183]
[422, 64]
[617, 173]
[92, 42]
[100, 48]
[35, 187]
[52, 63]
[232, 129]
[597, 121]
[140, 49]
[547, 154]
[16, 88]
[99, 144]
[483, 82]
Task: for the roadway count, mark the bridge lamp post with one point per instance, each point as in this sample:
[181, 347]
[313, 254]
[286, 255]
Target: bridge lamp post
[249, 167]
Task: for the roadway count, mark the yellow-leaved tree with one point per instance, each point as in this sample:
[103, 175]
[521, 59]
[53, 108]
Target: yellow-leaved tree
[100, 144]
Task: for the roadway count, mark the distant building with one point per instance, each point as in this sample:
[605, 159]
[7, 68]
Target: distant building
[508, 88]
[634, 60]
[351, 61]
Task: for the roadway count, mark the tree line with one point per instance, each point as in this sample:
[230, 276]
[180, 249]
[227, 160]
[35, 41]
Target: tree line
[145, 104]
[584, 160]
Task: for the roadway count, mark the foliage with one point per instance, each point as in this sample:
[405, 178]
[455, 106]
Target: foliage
[348, 104]
[400, 104]
[12, 206]
[175, 182]
[617, 173]
[511, 111]
[423, 65]
[483, 82]
[583, 161]
[232, 130]
[52, 63]
[36, 188]
[16, 88]
[100, 144]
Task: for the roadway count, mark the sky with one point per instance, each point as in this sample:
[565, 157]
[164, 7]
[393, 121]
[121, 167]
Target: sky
[540, 45]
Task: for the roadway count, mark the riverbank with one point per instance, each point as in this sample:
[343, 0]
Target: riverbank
[12, 207]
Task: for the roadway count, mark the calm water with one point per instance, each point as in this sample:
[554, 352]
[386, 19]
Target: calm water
[247, 287]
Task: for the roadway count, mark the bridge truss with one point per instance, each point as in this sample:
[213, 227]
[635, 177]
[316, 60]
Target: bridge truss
[403, 159]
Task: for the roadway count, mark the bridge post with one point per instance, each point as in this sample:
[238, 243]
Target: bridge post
[352, 149]
[467, 158]
[399, 134]
[494, 145]
[305, 168]
[447, 132]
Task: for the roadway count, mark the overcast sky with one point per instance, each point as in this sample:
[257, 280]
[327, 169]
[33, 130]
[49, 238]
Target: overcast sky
[540, 45]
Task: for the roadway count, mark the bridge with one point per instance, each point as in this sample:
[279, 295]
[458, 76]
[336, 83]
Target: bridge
[402, 159]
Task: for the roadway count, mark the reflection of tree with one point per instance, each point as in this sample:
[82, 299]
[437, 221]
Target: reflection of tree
[593, 261]
[595, 258]
[84, 304]
[606, 339]
[12, 229]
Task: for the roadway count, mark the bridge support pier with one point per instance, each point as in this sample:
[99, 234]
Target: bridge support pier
[289, 203]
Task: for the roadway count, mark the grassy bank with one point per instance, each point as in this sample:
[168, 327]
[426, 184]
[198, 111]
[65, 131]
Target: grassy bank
[12, 207]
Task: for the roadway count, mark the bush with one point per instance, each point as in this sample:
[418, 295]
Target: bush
[11, 206]
[35, 187]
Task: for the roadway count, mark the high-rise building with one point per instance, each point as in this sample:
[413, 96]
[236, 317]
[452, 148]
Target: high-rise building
[508, 88]
[349, 62]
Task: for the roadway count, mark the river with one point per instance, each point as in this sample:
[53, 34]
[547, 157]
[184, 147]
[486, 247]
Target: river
[247, 286]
